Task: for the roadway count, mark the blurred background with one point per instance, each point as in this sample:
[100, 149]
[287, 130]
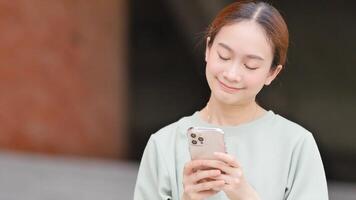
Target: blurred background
[83, 84]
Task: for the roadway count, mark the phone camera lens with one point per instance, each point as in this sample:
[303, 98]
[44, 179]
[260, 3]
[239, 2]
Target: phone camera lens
[193, 135]
[194, 141]
[200, 139]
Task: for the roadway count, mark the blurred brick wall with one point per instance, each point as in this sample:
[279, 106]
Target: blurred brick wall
[62, 77]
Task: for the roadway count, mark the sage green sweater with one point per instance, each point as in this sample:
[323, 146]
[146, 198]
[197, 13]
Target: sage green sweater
[280, 159]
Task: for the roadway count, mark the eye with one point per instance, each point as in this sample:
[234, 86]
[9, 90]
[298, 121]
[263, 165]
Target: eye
[250, 68]
[223, 58]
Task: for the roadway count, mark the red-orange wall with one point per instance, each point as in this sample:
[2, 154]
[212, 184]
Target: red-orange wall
[62, 77]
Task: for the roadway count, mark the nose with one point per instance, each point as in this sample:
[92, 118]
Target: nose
[233, 73]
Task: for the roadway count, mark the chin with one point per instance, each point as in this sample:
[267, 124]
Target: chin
[232, 99]
[227, 99]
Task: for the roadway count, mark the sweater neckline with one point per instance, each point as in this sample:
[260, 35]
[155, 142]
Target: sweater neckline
[269, 114]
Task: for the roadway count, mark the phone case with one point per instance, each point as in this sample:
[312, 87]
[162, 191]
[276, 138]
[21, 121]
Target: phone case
[203, 142]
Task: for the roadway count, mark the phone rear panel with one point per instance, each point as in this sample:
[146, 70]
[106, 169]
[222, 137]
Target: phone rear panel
[203, 142]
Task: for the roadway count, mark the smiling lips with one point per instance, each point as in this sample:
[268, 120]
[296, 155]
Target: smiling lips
[227, 88]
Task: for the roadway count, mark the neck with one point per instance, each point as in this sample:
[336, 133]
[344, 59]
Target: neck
[219, 113]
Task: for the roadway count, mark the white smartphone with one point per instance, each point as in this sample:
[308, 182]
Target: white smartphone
[203, 142]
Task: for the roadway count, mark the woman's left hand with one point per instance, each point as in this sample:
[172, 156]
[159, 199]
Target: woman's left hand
[236, 187]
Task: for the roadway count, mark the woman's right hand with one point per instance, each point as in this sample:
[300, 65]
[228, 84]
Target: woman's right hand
[199, 183]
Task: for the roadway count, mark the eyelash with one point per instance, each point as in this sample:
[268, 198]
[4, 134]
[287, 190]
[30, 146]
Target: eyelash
[226, 59]
[250, 68]
[222, 58]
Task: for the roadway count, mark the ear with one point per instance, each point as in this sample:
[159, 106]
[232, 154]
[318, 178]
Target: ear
[273, 74]
[207, 49]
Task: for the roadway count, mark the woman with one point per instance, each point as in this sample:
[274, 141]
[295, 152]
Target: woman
[268, 156]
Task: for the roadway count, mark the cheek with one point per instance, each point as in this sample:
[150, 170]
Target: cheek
[257, 81]
[213, 68]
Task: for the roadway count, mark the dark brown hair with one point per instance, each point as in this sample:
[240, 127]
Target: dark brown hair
[262, 13]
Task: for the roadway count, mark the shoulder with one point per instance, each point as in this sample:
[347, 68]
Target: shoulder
[291, 138]
[290, 130]
[167, 135]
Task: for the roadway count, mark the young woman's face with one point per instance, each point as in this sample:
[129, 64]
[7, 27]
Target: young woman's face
[239, 63]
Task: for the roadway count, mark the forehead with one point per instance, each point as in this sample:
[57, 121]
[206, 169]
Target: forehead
[245, 37]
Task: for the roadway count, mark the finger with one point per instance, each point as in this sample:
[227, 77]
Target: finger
[227, 159]
[228, 179]
[203, 174]
[206, 194]
[199, 195]
[231, 171]
[207, 185]
[220, 165]
[190, 166]
[196, 164]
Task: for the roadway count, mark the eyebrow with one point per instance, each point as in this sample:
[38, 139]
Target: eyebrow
[250, 56]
